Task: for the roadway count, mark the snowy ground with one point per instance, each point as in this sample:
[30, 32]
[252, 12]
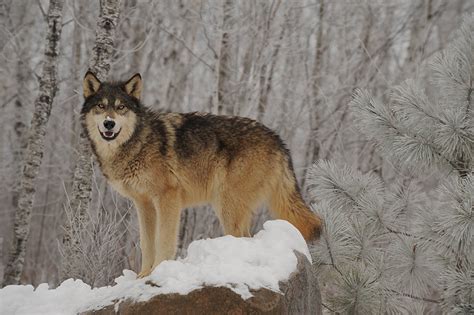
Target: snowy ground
[237, 263]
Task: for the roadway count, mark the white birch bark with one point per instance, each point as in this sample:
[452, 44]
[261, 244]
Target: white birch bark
[35, 146]
[82, 178]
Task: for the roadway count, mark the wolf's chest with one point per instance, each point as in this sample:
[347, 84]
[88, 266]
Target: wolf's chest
[129, 178]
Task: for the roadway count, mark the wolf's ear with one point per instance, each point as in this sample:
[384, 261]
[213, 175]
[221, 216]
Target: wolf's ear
[133, 86]
[90, 85]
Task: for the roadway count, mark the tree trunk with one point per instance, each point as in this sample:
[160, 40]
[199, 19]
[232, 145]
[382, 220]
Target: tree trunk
[76, 68]
[35, 146]
[19, 127]
[265, 83]
[82, 178]
[224, 93]
[312, 153]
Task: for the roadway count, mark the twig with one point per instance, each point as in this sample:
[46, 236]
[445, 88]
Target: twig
[414, 296]
[186, 47]
[328, 308]
[9, 100]
[41, 8]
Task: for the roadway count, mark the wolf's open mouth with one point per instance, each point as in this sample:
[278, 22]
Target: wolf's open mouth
[109, 135]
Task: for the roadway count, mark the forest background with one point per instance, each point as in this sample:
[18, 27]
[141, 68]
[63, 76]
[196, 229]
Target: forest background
[293, 65]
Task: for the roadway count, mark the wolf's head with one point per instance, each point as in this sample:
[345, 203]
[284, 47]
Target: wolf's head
[110, 111]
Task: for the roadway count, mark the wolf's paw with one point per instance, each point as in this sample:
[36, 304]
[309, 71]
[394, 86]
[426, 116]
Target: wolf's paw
[144, 273]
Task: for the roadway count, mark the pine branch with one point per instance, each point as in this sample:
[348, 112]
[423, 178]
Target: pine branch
[333, 264]
[420, 238]
[369, 114]
[328, 308]
[414, 296]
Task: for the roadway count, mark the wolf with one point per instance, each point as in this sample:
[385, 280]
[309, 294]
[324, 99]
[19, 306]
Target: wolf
[165, 162]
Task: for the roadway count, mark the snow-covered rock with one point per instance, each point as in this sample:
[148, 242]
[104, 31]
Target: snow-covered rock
[242, 265]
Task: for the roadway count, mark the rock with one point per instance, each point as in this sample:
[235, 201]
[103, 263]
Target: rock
[299, 295]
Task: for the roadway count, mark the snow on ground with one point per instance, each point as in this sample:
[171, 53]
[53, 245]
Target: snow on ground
[237, 263]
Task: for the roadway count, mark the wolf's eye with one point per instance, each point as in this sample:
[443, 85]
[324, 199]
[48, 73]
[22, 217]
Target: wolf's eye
[101, 106]
[120, 107]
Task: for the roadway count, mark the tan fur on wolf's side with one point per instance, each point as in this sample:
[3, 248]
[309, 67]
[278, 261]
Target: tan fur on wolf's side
[165, 162]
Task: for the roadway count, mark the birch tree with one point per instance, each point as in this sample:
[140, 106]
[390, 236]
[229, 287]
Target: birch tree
[35, 144]
[82, 180]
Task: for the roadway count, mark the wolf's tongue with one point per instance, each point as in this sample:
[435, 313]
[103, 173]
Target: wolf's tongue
[109, 134]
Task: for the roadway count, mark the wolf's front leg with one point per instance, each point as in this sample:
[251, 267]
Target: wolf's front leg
[147, 224]
[168, 216]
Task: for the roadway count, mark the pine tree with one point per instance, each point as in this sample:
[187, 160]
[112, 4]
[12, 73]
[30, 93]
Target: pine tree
[405, 248]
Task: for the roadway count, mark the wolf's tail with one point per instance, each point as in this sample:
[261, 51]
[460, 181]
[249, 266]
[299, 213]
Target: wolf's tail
[286, 203]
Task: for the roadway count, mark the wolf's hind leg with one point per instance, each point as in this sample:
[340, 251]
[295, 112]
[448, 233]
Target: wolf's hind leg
[167, 222]
[147, 221]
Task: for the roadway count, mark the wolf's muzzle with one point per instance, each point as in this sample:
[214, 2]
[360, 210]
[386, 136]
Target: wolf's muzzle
[109, 124]
[107, 132]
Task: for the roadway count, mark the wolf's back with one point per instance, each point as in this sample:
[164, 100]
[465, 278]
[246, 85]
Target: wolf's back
[228, 136]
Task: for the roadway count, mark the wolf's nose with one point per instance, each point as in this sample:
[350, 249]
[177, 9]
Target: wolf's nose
[109, 124]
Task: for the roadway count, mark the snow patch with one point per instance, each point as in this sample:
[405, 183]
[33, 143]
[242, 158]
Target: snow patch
[239, 264]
